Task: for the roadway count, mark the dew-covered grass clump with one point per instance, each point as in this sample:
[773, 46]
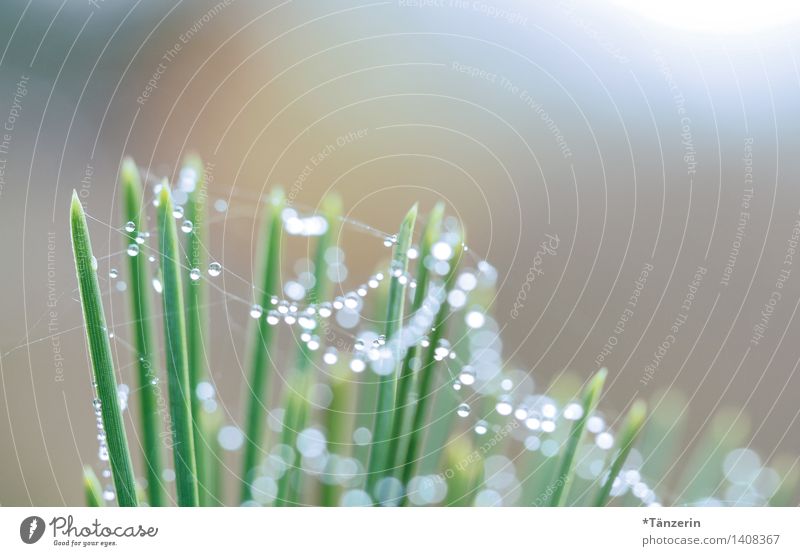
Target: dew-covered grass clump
[388, 389]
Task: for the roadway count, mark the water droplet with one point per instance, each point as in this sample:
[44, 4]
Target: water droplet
[194, 274]
[573, 412]
[214, 269]
[442, 350]
[132, 250]
[294, 290]
[93, 262]
[113, 273]
[177, 211]
[358, 365]
[130, 227]
[204, 391]
[359, 344]
[108, 494]
[604, 441]
[442, 251]
[187, 226]
[467, 281]
[122, 396]
[481, 427]
[154, 380]
[325, 310]
[456, 299]
[412, 253]
[467, 375]
[256, 311]
[388, 241]
[351, 301]
[230, 438]
[504, 407]
[463, 410]
[595, 424]
[331, 356]
[140, 237]
[157, 286]
[273, 317]
[475, 319]
[396, 269]
[306, 322]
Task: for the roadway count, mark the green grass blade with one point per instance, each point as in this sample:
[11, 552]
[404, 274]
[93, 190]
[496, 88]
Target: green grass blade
[297, 406]
[331, 210]
[338, 419]
[100, 354]
[703, 475]
[463, 472]
[297, 411]
[403, 399]
[591, 395]
[210, 425]
[175, 341]
[379, 454]
[663, 435]
[143, 335]
[92, 489]
[786, 493]
[630, 431]
[196, 317]
[426, 382]
[261, 342]
[366, 384]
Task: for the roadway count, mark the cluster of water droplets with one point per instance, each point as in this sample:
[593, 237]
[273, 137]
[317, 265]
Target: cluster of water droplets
[108, 493]
[747, 481]
[311, 454]
[186, 184]
[474, 362]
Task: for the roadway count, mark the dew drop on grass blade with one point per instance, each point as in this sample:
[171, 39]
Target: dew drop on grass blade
[630, 431]
[100, 354]
[193, 226]
[379, 454]
[297, 404]
[141, 313]
[563, 478]
[175, 342]
[257, 391]
[403, 401]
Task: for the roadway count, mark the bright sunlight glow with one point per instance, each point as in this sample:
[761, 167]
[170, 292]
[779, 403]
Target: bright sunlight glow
[717, 16]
